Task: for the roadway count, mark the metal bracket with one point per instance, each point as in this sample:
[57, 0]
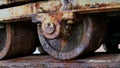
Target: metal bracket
[35, 18]
[68, 4]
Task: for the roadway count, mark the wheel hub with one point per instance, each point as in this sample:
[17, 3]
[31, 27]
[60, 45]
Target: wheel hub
[50, 28]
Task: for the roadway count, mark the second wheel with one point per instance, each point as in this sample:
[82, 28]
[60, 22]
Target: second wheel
[17, 39]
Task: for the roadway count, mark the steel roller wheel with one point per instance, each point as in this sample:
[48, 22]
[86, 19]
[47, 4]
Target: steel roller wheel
[75, 39]
[17, 39]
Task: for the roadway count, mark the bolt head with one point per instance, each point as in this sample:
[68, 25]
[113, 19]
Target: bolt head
[49, 28]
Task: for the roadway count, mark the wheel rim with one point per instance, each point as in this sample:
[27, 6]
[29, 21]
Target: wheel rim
[19, 40]
[81, 41]
[6, 45]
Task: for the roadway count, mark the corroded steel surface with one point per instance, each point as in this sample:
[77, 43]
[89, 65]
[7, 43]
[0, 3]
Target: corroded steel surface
[26, 10]
[81, 6]
[51, 22]
[16, 12]
[98, 60]
[85, 36]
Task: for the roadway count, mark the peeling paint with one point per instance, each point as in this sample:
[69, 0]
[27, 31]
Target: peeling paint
[82, 6]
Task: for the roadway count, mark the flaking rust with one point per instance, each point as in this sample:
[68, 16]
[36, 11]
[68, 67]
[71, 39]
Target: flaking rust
[16, 12]
[51, 22]
[57, 15]
[81, 6]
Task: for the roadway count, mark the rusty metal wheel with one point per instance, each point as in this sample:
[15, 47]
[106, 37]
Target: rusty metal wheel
[75, 39]
[17, 39]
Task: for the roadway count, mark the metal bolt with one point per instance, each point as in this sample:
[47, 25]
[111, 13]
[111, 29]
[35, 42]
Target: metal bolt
[49, 28]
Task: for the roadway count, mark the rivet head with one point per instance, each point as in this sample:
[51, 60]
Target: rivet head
[49, 28]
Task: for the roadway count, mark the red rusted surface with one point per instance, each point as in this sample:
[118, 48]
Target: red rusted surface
[97, 60]
[82, 6]
[19, 39]
[50, 22]
[16, 12]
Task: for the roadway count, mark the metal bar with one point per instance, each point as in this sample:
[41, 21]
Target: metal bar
[26, 10]
[17, 12]
[82, 6]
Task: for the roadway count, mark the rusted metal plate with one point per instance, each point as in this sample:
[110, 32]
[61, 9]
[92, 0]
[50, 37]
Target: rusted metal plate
[81, 6]
[97, 60]
[16, 12]
[26, 10]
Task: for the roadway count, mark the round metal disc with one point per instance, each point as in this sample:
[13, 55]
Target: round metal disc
[85, 38]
